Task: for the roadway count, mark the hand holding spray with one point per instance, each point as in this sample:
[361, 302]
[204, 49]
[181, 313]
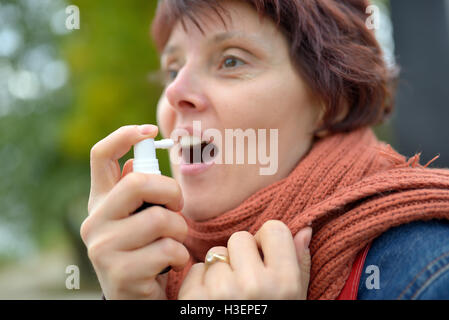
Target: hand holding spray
[145, 161]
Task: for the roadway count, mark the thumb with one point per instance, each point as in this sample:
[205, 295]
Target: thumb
[302, 241]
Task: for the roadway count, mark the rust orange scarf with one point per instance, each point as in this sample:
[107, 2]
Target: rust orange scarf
[351, 188]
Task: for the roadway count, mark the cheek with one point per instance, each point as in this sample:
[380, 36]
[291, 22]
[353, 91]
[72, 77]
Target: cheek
[265, 103]
[166, 117]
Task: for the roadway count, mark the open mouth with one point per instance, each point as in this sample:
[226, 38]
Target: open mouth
[194, 150]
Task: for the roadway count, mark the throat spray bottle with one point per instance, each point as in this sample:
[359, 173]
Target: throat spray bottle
[145, 161]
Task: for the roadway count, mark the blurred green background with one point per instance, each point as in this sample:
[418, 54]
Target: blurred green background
[61, 91]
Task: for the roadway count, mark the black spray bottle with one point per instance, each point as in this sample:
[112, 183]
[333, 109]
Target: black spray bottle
[145, 161]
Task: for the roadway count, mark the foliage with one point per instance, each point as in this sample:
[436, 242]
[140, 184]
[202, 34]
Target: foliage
[45, 140]
[110, 58]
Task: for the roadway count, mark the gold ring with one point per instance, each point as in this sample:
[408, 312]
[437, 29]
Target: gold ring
[214, 257]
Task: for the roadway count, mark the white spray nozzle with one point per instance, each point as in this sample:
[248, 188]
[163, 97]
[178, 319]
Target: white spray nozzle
[145, 155]
[164, 144]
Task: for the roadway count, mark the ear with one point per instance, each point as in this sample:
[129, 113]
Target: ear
[319, 120]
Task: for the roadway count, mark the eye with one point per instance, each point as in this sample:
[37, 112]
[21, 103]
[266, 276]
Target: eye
[170, 75]
[232, 62]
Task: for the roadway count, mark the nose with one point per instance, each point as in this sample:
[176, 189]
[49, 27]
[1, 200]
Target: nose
[185, 93]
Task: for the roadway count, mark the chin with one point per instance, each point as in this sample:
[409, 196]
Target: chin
[199, 211]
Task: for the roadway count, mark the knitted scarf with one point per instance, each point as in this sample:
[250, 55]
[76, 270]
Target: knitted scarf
[350, 188]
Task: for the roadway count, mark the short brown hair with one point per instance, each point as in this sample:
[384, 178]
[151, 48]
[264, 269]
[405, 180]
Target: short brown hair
[330, 45]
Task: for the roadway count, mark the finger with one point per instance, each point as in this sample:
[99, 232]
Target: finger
[302, 241]
[149, 261]
[278, 248]
[218, 278]
[162, 279]
[104, 155]
[192, 286]
[244, 253]
[127, 167]
[135, 188]
[144, 228]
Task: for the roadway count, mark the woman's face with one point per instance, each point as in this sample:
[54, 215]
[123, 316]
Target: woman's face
[237, 76]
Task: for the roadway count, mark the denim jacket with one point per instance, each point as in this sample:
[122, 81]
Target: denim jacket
[411, 262]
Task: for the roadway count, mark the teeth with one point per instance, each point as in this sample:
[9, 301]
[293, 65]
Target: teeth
[189, 141]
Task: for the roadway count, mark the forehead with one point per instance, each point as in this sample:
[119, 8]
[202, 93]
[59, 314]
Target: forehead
[237, 19]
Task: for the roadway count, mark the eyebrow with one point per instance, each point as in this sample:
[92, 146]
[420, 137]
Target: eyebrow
[228, 35]
[216, 39]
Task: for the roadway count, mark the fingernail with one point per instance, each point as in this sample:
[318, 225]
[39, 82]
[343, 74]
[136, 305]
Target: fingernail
[181, 203]
[147, 129]
[308, 238]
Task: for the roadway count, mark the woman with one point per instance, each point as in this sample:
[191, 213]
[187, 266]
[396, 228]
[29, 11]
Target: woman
[315, 73]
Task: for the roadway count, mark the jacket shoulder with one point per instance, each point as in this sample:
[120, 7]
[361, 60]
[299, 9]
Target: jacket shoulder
[410, 261]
